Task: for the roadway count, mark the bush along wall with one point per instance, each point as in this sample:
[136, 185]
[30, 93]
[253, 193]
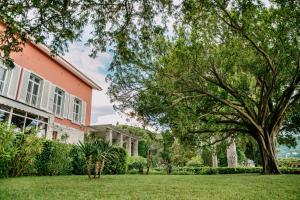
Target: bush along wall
[78, 161]
[117, 165]
[137, 163]
[221, 170]
[17, 150]
[55, 159]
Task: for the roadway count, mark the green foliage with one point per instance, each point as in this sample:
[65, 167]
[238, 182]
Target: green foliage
[7, 137]
[143, 148]
[87, 148]
[196, 161]
[7, 148]
[28, 146]
[54, 160]
[102, 151]
[60, 22]
[181, 154]
[222, 154]
[224, 170]
[288, 162]
[17, 151]
[118, 165]
[137, 162]
[206, 156]
[78, 161]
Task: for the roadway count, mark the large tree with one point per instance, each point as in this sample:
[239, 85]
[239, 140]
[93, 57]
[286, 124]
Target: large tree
[230, 67]
[117, 23]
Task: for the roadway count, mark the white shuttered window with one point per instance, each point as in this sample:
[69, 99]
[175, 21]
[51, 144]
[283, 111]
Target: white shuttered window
[77, 105]
[58, 102]
[33, 90]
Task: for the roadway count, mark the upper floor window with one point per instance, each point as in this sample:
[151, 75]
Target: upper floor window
[58, 102]
[3, 72]
[77, 110]
[33, 89]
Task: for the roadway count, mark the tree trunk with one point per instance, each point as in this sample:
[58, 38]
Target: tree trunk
[268, 156]
[149, 160]
[96, 169]
[101, 167]
[88, 167]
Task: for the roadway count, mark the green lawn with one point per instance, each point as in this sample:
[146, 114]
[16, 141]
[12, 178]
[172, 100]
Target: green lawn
[153, 187]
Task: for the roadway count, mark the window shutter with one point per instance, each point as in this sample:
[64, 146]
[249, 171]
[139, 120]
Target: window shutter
[71, 104]
[66, 104]
[51, 97]
[12, 81]
[23, 85]
[83, 113]
[45, 95]
[7, 82]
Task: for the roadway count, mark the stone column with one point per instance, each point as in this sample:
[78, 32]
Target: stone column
[231, 154]
[214, 152]
[136, 148]
[120, 140]
[129, 146]
[109, 136]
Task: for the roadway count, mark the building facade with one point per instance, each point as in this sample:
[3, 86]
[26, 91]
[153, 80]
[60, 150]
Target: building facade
[46, 93]
[117, 137]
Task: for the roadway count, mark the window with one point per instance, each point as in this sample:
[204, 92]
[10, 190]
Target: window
[58, 102]
[33, 90]
[2, 78]
[77, 110]
[24, 121]
[4, 116]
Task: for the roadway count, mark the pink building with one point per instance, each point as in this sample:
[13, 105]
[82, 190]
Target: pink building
[46, 93]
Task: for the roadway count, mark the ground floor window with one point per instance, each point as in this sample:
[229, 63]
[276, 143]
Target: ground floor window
[4, 116]
[24, 121]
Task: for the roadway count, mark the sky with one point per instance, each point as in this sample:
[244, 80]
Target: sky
[96, 68]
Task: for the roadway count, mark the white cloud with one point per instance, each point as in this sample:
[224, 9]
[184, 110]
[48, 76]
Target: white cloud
[102, 108]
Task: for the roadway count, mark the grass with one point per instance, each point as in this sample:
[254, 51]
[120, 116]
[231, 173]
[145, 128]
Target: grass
[246, 186]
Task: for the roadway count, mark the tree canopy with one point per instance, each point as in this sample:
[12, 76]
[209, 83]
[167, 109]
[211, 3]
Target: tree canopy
[117, 23]
[231, 67]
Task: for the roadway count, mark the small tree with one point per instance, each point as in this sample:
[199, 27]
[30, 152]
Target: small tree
[103, 151]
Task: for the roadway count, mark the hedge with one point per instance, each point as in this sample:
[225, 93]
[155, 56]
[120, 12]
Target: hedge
[137, 163]
[220, 170]
[55, 159]
[118, 165]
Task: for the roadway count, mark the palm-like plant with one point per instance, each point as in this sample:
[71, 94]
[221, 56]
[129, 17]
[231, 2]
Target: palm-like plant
[103, 151]
[87, 148]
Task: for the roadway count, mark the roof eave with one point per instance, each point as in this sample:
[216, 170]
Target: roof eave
[68, 66]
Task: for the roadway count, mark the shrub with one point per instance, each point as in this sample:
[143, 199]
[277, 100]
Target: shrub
[78, 161]
[137, 162]
[118, 165]
[288, 162]
[17, 150]
[196, 161]
[28, 146]
[7, 148]
[214, 170]
[182, 173]
[55, 159]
